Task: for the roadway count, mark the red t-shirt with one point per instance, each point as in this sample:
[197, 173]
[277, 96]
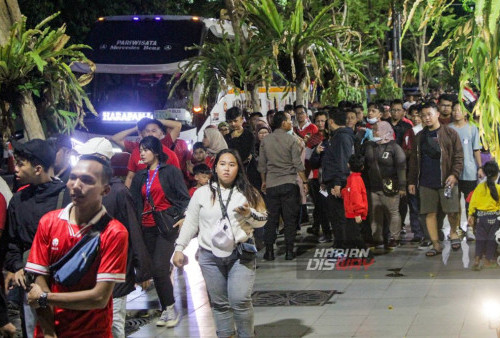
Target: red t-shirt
[135, 164]
[159, 199]
[309, 128]
[181, 150]
[191, 191]
[54, 238]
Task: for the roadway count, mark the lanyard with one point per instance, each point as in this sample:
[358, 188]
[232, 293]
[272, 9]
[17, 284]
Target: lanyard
[149, 183]
[222, 206]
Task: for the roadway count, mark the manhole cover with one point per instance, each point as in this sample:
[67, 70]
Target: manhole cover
[133, 324]
[292, 298]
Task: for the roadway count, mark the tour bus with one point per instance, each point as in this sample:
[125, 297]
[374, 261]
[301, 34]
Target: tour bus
[136, 57]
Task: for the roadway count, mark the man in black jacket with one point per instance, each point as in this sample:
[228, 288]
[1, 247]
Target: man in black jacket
[333, 154]
[119, 204]
[39, 194]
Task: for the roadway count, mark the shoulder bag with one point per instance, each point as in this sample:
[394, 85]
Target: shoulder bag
[247, 250]
[73, 266]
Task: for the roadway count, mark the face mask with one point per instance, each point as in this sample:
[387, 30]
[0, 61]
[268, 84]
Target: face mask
[372, 121]
[376, 139]
[290, 132]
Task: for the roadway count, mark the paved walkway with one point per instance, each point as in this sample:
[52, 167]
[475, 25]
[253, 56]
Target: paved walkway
[435, 297]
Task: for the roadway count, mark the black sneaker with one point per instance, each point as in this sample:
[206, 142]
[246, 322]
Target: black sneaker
[392, 244]
[313, 231]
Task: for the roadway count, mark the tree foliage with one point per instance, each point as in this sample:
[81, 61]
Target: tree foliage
[474, 49]
[36, 62]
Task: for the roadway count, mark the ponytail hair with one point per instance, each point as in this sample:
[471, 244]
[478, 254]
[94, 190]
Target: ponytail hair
[491, 170]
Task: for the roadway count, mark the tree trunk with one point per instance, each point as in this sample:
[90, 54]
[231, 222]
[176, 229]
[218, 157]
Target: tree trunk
[301, 92]
[9, 14]
[421, 62]
[256, 107]
[32, 123]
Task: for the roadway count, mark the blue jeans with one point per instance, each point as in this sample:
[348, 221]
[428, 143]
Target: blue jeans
[229, 284]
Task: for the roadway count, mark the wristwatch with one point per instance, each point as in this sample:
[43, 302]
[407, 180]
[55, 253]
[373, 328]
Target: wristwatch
[42, 301]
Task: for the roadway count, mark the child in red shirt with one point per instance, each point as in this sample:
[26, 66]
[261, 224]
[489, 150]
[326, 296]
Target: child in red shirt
[355, 203]
[202, 174]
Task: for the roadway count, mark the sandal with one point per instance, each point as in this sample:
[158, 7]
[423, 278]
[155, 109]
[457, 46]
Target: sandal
[476, 267]
[433, 252]
[456, 244]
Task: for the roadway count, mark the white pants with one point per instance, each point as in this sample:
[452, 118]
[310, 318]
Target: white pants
[119, 314]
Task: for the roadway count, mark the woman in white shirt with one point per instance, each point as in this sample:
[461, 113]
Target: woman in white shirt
[224, 214]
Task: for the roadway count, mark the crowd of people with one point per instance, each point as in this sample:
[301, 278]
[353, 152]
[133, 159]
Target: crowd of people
[246, 183]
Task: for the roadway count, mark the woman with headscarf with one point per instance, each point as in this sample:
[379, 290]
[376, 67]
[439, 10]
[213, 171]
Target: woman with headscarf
[385, 163]
[214, 142]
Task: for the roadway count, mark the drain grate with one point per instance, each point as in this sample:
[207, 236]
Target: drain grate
[134, 324]
[292, 298]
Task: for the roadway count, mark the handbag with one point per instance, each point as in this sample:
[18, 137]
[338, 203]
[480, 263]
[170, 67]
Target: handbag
[247, 250]
[73, 266]
[166, 219]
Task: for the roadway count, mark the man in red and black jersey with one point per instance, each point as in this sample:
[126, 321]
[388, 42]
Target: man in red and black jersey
[84, 309]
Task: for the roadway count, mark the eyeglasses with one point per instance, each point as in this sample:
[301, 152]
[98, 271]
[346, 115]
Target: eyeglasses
[396, 110]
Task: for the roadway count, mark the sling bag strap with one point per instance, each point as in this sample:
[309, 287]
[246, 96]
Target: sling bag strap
[95, 230]
[221, 202]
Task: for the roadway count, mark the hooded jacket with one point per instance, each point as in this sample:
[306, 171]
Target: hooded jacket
[338, 148]
[26, 208]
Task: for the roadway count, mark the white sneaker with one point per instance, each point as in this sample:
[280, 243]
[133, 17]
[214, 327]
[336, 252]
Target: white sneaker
[169, 317]
[470, 234]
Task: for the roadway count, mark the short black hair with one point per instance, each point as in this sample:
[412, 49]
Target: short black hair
[257, 113]
[413, 107]
[31, 160]
[300, 106]
[288, 107]
[199, 145]
[153, 144]
[278, 119]
[202, 169]
[396, 101]
[271, 111]
[428, 104]
[233, 113]
[357, 106]
[377, 106]
[447, 97]
[320, 113]
[107, 171]
[338, 116]
[142, 123]
[356, 163]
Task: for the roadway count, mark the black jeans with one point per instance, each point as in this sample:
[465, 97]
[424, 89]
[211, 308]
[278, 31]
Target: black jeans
[336, 216]
[161, 250]
[415, 217]
[319, 214]
[282, 200]
[353, 238]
